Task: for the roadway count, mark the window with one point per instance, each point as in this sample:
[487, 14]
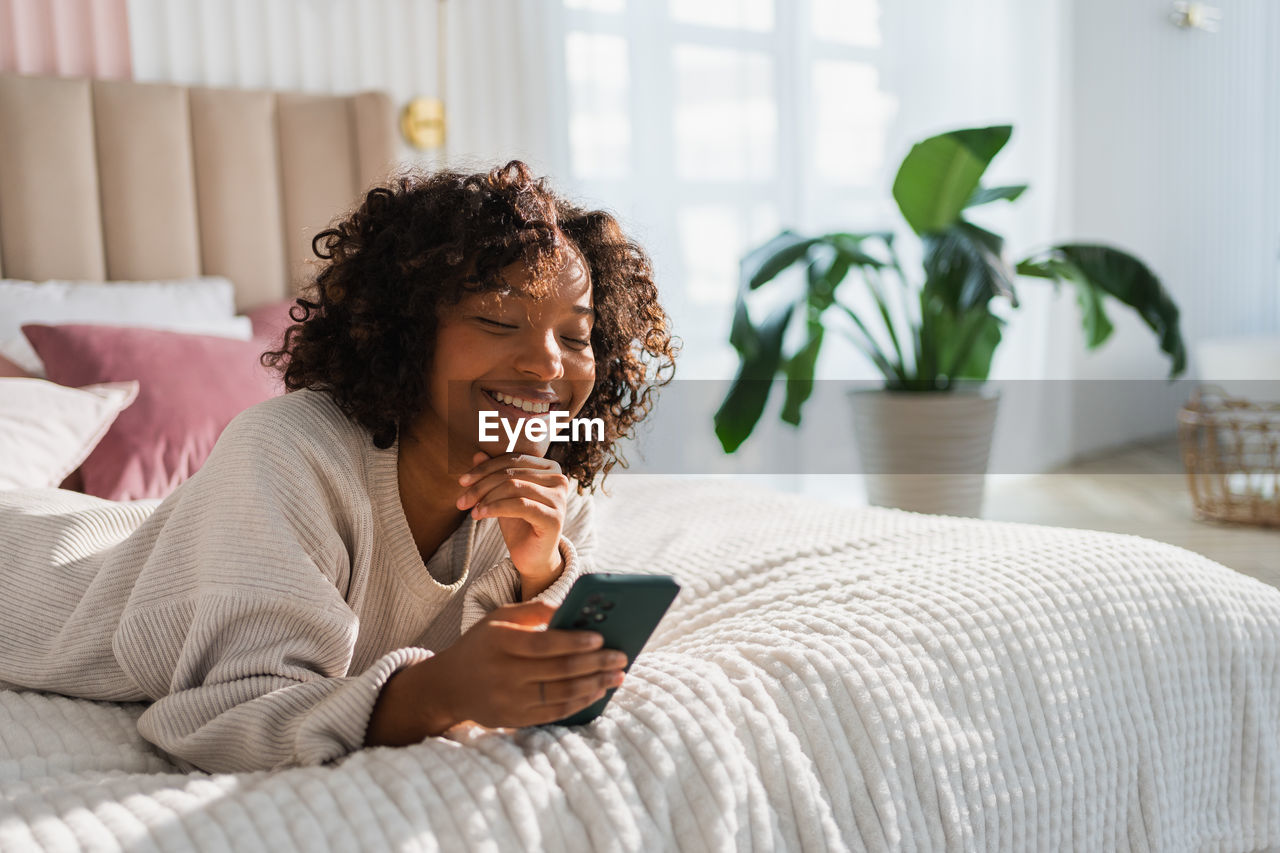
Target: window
[709, 126]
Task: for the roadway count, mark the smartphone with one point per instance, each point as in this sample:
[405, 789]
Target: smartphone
[624, 609]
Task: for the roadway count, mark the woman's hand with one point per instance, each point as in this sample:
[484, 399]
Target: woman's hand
[528, 495]
[506, 671]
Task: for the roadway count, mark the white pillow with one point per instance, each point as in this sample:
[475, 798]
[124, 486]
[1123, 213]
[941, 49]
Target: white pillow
[204, 306]
[47, 430]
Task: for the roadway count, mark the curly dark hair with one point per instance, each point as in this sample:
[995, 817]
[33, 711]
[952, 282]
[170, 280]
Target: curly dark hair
[364, 330]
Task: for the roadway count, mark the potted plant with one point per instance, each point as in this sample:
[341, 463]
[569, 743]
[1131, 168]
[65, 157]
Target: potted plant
[933, 341]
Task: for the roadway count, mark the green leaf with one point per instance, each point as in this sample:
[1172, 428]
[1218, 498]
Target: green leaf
[870, 347]
[959, 345]
[762, 265]
[850, 245]
[823, 275]
[986, 195]
[1037, 267]
[745, 402]
[1097, 327]
[1111, 271]
[979, 337]
[965, 268]
[742, 334]
[939, 175]
[799, 370]
[927, 336]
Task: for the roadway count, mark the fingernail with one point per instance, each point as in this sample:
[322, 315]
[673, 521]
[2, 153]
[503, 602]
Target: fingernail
[615, 679]
[465, 479]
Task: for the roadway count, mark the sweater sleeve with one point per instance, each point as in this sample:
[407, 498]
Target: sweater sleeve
[500, 585]
[238, 626]
[269, 694]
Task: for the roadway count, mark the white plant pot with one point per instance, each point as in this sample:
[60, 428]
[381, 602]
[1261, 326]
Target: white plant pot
[925, 451]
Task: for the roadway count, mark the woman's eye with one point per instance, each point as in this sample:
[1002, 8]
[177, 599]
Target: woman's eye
[577, 343]
[494, 323]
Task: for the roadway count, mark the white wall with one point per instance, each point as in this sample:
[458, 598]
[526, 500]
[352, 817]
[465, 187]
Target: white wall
[1176, 155]
[339, 46]
[329, 46]
[994, 62]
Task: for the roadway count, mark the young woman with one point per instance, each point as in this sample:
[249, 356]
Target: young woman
[354, 565]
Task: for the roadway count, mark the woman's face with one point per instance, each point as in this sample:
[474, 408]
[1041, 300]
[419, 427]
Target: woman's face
[515, 355]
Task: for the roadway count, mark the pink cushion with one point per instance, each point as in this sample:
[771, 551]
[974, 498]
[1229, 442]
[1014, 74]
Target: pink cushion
[270, 321]
[191, 386]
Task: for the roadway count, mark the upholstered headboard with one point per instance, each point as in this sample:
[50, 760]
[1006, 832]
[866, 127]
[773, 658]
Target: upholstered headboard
[108, 180]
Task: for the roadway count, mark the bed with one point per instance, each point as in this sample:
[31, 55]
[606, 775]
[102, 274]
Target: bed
[828, 679]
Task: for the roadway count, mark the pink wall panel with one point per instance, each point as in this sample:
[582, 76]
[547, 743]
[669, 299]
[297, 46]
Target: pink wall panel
[72, 45]
[71, 38]
[8, 46]
[110, 30]
[32, 37]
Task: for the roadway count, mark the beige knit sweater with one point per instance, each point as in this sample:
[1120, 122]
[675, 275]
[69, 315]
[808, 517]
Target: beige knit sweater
[263, 604]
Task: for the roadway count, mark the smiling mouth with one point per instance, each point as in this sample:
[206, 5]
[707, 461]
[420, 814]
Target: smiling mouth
[518, 407]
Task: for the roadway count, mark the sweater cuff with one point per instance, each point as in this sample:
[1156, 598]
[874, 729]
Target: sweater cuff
[501, 585]
[573, 567]
[338, 723]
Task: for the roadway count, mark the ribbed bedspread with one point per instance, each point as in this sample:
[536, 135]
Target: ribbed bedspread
[828, 679]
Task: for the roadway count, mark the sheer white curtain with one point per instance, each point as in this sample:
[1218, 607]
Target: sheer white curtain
[710, 126]
[502, 83]
[714, 124]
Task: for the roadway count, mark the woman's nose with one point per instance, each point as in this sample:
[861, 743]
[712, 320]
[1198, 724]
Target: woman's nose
[540, 356]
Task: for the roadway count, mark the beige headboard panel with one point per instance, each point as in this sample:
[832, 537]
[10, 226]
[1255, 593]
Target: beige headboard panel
[108, 180]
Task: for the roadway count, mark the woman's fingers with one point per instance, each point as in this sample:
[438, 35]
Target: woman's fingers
[546, 496]
[556, 655]
[572, 666]
[541, 715]
[547, 478]
[529, 616]
[575, 693]
[542, 517]
[497, 463]
[519, 675]
[523, 641]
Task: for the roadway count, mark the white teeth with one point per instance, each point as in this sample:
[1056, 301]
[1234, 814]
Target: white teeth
[525, 405]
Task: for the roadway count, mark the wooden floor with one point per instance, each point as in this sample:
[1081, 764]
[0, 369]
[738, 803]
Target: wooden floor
[1149, 499]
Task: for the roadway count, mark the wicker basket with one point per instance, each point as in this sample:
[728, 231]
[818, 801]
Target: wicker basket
[1231, 450]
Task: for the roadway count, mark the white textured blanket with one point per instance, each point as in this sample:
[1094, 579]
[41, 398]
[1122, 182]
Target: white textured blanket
[828, 679]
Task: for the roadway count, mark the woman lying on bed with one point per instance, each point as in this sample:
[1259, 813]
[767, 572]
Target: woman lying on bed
[353, 565]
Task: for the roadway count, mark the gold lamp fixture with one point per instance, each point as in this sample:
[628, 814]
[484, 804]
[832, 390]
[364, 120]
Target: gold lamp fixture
[422, 121]
[1196, 16]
